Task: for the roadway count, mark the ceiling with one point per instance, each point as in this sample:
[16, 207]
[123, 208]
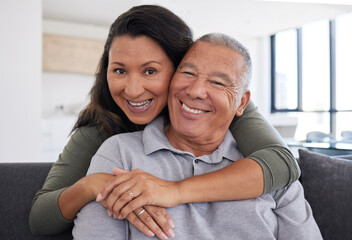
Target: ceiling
[244, 17]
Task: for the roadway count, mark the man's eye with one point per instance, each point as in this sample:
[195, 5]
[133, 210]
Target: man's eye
[189, 73]
[120, 71]
[218, 83]
[150, 71]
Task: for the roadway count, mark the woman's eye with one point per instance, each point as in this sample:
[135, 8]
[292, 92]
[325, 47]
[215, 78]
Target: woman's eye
[120, 71]
[150, 71]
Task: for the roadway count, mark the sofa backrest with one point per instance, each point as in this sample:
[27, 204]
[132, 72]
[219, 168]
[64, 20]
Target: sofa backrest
[18, 184]
[326, 180]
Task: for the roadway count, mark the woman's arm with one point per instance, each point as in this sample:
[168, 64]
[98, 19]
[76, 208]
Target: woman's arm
[258, 140]
[46, 216]
[67, 189]
[239, 180]
[268, 164]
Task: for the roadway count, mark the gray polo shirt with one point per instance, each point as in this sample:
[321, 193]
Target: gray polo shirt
[283, 214]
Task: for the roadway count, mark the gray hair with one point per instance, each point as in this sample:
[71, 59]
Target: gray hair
[230, 42]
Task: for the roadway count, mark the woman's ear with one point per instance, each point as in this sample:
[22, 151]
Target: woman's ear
[244, 102]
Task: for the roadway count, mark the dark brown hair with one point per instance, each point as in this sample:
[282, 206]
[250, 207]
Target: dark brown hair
[158, 23]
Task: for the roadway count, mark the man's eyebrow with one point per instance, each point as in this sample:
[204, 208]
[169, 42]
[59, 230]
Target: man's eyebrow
[229, 80]
[187, 65]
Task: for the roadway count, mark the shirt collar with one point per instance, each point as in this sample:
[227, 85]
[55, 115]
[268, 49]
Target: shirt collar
[154, 139]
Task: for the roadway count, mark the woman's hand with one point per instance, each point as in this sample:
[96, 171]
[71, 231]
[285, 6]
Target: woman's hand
[133, 189]
[150, 220]
[94, 183]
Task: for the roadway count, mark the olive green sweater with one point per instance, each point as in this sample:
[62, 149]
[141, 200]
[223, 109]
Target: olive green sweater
[255, 137]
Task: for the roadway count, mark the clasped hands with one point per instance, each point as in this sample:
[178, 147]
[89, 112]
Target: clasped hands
[129, 192]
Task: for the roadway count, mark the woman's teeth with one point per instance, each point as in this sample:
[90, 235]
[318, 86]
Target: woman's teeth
[196, 111]
[139, 104]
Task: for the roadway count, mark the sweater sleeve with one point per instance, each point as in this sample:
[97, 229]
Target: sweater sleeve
[258, 140]
[72, 164]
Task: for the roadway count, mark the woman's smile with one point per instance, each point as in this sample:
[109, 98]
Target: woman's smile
[139, 107]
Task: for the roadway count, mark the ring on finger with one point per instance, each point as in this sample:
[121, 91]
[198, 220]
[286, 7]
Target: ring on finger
[131, 194]
[140, 212]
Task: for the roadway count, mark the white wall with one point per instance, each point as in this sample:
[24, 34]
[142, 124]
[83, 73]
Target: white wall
[20, 80]
[64, 93]
[259, 49]
[75, 29]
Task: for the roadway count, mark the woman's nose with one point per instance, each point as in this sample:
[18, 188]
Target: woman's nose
[134, 86]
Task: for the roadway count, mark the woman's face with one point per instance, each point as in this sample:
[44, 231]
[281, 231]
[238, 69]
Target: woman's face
[139, 73]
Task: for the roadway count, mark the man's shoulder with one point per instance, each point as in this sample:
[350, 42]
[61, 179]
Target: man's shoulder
[125, 138]
[121, 142]
[291, 191]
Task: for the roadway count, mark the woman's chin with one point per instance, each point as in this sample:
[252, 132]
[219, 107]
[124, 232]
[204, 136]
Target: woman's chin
[141, 120]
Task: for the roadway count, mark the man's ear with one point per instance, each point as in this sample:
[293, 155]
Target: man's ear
[244, 102]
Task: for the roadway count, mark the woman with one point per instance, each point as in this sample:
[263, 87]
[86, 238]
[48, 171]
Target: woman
[112, 111]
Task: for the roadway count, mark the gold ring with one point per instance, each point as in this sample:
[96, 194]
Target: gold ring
[142, 211]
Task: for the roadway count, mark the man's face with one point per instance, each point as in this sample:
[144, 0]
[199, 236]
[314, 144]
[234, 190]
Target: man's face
[203, 92]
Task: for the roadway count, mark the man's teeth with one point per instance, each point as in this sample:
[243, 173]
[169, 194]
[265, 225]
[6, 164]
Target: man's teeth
[140, 104]
[196, 111]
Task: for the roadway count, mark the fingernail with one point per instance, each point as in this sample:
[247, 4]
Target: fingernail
[172, 223]
[163, 235]
[150, 233]
[171, 232]
[109, 213]
[99, 197]
[120, 217]
[115, 216]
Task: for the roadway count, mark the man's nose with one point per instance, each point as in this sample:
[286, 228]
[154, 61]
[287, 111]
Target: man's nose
[134, 86]
[197, 88]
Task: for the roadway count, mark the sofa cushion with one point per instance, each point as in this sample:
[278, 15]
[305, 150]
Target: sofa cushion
[327, 186]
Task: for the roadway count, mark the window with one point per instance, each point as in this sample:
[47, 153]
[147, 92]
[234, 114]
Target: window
[286, 70]
[312, 75]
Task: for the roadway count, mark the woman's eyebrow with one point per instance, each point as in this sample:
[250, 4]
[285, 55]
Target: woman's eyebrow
[152, 61]
[144, 64]
[118, 63]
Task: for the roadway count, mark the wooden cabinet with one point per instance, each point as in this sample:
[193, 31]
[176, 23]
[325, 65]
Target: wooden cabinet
[71, 54]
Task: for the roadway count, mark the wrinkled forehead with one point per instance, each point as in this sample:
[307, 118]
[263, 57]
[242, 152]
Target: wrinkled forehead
[207, 57]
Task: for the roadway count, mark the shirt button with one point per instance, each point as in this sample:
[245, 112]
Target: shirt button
[196, 161]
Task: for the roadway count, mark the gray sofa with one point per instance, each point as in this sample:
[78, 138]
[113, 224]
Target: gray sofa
[327, 182]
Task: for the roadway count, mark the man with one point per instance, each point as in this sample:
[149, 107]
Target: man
[208, 89]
